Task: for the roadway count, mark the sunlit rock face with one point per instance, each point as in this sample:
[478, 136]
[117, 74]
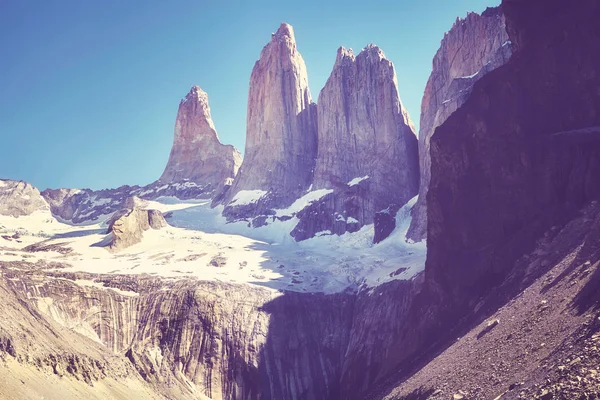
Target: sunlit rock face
[473, 47]
[197, 154]
[128, 226]
[367, 149]
[19, 198]
[281, 131]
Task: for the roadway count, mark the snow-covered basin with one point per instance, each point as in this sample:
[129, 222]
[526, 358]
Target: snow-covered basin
[200, 243]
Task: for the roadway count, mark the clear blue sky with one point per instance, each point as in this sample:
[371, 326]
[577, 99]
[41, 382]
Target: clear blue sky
[89, 89]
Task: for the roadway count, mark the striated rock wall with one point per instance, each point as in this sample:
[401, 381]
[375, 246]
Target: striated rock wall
[197, 154]
[365, 132]
[221, 340]
[364, 129]
[19, 198]
[281, 130]
[473, 47]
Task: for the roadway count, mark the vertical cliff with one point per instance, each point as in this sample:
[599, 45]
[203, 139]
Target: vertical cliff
[197, 154]
[365, 136]
[473, 47]
[281, 130]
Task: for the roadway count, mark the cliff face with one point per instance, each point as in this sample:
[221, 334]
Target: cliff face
[200, 338]
[197, 154]
[19, 198]
[127, 227]
[473, 47]
[518, 159]
[365, 137]
[281, 130]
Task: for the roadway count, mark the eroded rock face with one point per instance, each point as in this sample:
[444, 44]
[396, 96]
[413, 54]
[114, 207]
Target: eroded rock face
[220, 340]
[19, 198]
[365, 132]
[473, 47]
[197, 154]
[127, 228]
[281, 131]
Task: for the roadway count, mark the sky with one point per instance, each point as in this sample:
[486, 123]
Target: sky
[89, 89]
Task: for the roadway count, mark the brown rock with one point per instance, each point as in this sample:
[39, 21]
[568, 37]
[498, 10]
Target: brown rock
[197, 154]
[281, 132]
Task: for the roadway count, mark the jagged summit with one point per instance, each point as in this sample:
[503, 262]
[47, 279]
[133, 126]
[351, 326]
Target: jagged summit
[285, 31]
[197, 154]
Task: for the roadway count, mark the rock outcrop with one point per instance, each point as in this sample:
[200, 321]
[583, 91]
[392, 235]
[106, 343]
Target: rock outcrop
[197, 154]
[281, 131]
[473, 47]
[366, 138]
[127, 227]
[18, 198]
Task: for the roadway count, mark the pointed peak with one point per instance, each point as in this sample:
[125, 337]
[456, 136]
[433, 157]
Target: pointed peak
[196, 93]
[285, 31]
[344, 54]
[372, 50]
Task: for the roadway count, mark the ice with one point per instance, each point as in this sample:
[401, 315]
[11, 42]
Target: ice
[244, 197]
[356, 181]
[304, 201]
[266, 256]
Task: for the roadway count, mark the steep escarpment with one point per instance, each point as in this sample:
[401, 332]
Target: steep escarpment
[197, 154]
[18, 198]
[473, 47]
[281, 130]
[44, 359]
[366, 139]
[518, 158]
[215, 339]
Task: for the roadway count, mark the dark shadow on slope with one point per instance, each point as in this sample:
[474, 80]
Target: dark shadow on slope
[305, 347]
[79, 233]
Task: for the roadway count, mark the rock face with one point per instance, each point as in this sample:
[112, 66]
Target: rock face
[19, 198]
[127, 228]
[516, 162]
[197, 154]
[366, 138]
[281, 131]
[364, 131]
[473, 47]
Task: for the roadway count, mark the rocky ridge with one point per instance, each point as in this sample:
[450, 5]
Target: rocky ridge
[473, 47]
[18, 198]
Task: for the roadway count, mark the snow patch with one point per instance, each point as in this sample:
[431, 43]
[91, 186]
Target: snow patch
[244, 197]
[356, 181]
[304, 202]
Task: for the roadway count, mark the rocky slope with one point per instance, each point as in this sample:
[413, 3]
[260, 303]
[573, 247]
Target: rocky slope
[540, 344]
[85, 205]
[18, 198]
[363, 132]
[281, 130]
[473, 47]
[197, 154]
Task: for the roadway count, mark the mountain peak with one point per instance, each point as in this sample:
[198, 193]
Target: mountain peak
[285, 31]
